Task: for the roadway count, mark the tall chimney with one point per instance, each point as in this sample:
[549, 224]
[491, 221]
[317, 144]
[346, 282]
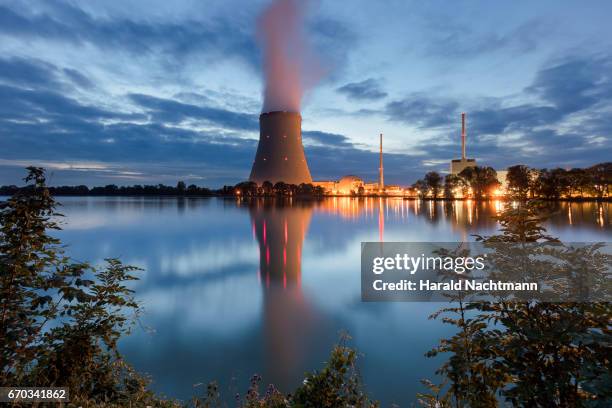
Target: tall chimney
[463, 136]
[381, 181]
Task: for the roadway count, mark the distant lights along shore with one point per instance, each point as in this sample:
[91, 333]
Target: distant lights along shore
[468, 284]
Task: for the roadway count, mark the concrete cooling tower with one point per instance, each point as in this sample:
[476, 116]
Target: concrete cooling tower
[280, 154]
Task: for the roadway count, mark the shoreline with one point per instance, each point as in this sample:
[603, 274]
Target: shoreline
[318, 197]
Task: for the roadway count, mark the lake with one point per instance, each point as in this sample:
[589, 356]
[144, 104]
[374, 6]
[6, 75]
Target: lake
[232, 288]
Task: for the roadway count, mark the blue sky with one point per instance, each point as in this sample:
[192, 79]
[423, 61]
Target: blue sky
[136, 92]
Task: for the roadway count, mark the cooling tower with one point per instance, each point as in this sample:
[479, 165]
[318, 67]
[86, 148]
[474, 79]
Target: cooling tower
[280, 154]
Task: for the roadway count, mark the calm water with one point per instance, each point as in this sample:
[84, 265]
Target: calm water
[231, 289]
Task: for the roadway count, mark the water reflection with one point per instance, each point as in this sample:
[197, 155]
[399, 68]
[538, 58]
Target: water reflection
[234, 288]
[288, 318]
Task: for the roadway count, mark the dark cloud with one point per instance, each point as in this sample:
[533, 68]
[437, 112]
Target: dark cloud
[368, 89]
[567, 87]
[68, 23]
[168, 110]
[575, 84]
[27, 73]
[36, 74]
[422, 110]
[43, 106]
[331, 140]
[78, 78]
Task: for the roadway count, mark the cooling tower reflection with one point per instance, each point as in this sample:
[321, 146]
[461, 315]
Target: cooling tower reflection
[289, 320]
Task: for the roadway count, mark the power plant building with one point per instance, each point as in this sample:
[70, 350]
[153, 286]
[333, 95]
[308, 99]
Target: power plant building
[458, 165]
[353, 185]
[280, 153]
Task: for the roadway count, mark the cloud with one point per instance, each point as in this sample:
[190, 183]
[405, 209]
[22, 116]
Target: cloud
[145, 141]
[565, 88]
[78, 78]
[565, 123]
[333, 39]
[65, 22]
[450, 39]
[575, 83]
[331, 140]
[422, 110]
[27, 72]
[172, 111]
[220, 37]
[368, 89]
[155, 139]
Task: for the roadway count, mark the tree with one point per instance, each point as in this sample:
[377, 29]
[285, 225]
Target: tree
[246, 188]
[531, 353]
[433, 181]
[481, 179]
[267, 188]
[281, 188]
[600, 177]
[421, 188]
[180, 187]
[519, 181]
[60, 319]
[551, 184]
[338, 384]
[306, 189]
[578, 181]
[451, 183]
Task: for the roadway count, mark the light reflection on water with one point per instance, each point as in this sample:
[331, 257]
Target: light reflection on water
[235, 288]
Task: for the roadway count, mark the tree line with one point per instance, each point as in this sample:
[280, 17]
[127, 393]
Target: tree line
[552, 184]
[245, 188]
[181, 189]
[267, 189]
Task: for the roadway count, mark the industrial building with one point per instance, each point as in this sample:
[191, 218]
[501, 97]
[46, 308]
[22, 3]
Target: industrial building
[353, 185]
[280, 153]
[458, 165]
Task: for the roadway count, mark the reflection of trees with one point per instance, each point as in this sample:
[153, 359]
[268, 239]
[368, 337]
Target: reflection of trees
[463, 215]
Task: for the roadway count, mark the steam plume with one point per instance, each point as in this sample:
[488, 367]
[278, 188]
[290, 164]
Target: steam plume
[289, 65]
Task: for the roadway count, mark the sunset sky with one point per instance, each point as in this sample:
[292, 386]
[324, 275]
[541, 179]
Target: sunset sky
[141, 92]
